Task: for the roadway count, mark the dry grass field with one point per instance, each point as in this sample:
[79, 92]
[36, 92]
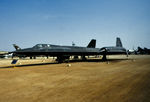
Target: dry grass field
[91, 81]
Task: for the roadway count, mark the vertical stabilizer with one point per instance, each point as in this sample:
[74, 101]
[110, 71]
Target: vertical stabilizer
[16, 47]
[92, 44]
[118, 42]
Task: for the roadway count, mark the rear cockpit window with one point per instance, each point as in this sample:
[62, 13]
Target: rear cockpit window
[48, 45]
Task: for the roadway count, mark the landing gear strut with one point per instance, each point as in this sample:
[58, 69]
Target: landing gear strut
[104, 57]
[83, 58]
[30, 57]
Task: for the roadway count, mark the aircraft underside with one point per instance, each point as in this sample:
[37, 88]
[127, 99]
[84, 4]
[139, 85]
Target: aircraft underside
[65, 57]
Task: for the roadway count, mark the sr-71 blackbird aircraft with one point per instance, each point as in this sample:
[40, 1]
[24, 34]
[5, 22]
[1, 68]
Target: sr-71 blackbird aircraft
[64, 52]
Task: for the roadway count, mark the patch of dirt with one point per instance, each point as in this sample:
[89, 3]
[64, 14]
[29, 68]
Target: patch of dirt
[116, 81]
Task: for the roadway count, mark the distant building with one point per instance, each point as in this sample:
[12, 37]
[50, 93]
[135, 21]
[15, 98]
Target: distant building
[3, 52]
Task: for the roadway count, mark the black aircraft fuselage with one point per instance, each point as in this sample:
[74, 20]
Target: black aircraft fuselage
[64, 52]
[56, 50]
[61, 52]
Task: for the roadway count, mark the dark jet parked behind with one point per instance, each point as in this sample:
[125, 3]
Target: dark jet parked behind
[143, 51]
[64, 52]
[113, 50]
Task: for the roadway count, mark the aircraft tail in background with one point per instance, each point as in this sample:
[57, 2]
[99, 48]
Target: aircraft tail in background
[118, 42]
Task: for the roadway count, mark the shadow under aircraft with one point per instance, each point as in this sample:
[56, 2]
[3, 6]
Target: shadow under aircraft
[63, 53]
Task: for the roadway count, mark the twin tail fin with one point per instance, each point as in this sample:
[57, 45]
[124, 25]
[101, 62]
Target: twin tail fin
[92, 44]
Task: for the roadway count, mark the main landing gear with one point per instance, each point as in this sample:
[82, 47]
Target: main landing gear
[104, 58]
[61, 59]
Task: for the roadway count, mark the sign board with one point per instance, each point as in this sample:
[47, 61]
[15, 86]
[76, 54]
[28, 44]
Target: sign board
[14, 61]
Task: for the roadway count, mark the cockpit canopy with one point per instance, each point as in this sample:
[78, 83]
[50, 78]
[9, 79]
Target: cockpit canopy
[42, 46]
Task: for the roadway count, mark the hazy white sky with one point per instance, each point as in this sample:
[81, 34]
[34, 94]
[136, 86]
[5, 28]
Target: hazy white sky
[28, 22]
